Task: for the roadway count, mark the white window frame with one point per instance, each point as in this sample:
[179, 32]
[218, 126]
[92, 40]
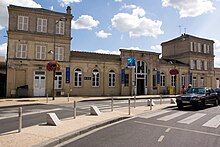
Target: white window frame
[40, 52]
[194, 82]
[21, 51]
[78, 77]
[59, 53]
[195, 47]
[202, 82]
[173, 80]
[208, 49]
[111, 78]
[204, 48]
[162, 80]
[58, 82]
[95, 78]
[205, 65]
[23, 23]
[198, 64]
[60, 27]
[199, 47]
[41, 25]
[183, 80]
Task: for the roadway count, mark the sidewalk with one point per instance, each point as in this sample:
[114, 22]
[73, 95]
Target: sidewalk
[43, 135]
[13, 102]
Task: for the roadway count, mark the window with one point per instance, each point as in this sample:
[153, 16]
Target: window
[191, 46]
[195, 47]
[111, 78]
[183, 80]
[23, 23]
[78, 78]
[95, 78]
[199, 64]
[126, 79]
[205, 65]
[58, 80]
[194, 82]
[41, 25]
[21, 51]
[217, 82]
[204, 48]
[60, 27]
[208, 49]
[59, 53]
[202, 81]
[199, 47]
[162, 79]
[40, 52]
[192, 64]
[173, 80]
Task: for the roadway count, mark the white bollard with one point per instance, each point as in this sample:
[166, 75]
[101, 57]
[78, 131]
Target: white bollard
[74, 110]
[20, 119]
[129, 106]
[112, 104]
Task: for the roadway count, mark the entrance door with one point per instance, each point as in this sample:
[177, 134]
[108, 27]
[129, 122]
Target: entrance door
[39, 83]
[140, 87]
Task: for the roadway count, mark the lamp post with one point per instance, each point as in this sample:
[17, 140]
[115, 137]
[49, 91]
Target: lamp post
[54, 54]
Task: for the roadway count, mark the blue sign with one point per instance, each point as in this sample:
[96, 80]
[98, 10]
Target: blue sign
[122, 76]
[158, 77]
[67, 74]
[131, 62]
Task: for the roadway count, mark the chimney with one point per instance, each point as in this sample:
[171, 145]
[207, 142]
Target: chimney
[68, 10]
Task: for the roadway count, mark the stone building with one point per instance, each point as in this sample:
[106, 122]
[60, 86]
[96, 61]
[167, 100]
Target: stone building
[35, 32]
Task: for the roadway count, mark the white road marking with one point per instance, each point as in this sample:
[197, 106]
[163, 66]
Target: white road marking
[168, 130]
[161, 138]
[30, 113]
[154, 114]
[172, 116]
[176, 128]
[192, 118]
[213, 123]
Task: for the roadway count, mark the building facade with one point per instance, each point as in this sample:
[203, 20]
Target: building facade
[35, 33]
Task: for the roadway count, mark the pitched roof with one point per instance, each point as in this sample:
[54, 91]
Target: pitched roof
[93, 56]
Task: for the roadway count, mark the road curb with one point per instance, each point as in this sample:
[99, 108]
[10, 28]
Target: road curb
[65, 137]
[21, 105]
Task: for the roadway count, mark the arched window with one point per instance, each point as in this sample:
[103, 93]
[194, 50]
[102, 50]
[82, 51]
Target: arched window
[78, 77]
[162, 79]
[95, 78]
[111, 78]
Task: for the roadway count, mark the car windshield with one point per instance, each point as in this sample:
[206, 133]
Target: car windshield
[196, 90]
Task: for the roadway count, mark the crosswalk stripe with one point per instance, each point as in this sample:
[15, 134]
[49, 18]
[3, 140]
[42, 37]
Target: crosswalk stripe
[213, 123]
[171, 116]
[154, 114]
[191, 118]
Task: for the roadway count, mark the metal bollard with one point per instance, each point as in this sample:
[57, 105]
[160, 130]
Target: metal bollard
[68, 95]
[74, 110]
[160, 99]
[112, 104]
[47, 97]
[129, 106]
[20, 119]
[150, 103]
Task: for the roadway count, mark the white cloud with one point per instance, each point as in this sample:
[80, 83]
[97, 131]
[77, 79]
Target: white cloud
[118, 0]
[67, 2]
[107, 52]
[102, 34]
[4, 10]
[51, 8]
[125, 6]
[3, 49]
[190, 8]
[156, 48]
[85, 22]
[136, 24]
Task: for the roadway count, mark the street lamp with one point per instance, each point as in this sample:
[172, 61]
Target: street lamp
[54, 54]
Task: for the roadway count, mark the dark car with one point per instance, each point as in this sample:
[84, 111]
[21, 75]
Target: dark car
[199, 96]
[217, 90]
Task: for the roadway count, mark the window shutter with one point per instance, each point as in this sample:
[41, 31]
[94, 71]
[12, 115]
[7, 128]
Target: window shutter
[20, 20]
[204, 48]
[39, 24]
[43, 52]
[25, 23]
[191, 46]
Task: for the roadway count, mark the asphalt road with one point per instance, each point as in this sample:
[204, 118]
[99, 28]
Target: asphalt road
[33, 115]
[164, 128]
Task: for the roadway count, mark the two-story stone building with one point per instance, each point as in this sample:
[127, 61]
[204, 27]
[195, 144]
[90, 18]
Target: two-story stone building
[35, 32]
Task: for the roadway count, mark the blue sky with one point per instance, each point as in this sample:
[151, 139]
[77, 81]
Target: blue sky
[107, 25]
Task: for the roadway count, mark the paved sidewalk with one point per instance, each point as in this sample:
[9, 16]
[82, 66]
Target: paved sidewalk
[43, 135]
[12, 102]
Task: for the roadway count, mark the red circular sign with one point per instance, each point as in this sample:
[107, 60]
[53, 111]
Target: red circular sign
[174, 71]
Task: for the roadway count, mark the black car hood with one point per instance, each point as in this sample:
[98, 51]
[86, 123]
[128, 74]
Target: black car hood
[192, 95]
